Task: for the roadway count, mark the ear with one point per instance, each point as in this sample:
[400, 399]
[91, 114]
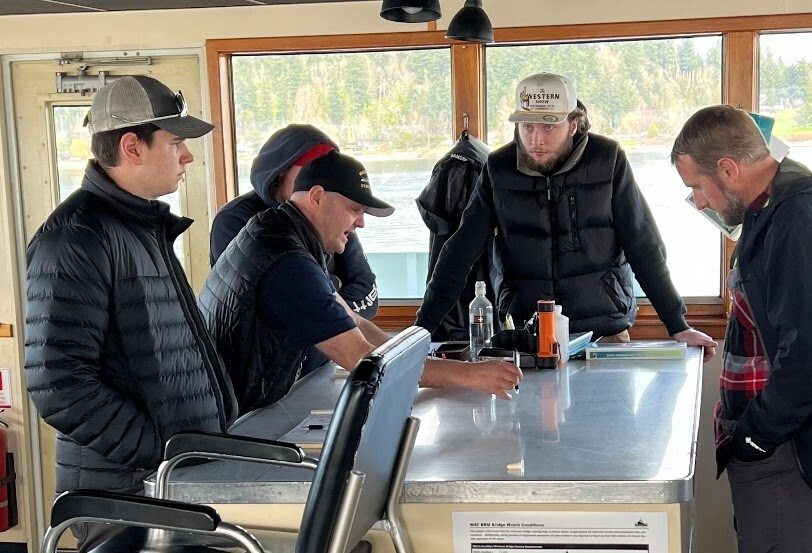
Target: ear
[316, 195]
[573, 126]
[727, 169]
[129, 148]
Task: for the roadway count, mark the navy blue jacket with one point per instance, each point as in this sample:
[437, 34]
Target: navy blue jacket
[350, 270]
[774, 256]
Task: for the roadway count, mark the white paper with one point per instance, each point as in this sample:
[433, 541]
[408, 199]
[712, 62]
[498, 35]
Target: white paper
[560, 532]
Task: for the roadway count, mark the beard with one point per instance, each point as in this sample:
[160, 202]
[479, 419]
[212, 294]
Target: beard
[552, 164]
[733, 213]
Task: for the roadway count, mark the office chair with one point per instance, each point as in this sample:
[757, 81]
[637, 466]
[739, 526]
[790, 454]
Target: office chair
[357, 481]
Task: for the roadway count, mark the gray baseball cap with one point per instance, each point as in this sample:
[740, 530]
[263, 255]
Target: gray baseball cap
[137, 100]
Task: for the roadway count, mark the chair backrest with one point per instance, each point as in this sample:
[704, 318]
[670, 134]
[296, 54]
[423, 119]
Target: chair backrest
[364, 435]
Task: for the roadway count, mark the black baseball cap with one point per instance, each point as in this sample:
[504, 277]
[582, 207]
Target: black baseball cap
[336, 172]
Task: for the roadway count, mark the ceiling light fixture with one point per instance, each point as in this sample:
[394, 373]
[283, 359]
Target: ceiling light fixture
[471, 24]
[411, 11]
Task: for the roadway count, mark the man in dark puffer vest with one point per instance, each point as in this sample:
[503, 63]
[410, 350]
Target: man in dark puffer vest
[117, 356]
[272, 174]
[569, 225]
[269, 299]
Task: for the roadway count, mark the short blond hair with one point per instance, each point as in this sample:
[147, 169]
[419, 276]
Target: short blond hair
[720, 131]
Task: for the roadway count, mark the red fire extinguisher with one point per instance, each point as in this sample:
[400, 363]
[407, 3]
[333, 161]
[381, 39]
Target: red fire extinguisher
[8, 496]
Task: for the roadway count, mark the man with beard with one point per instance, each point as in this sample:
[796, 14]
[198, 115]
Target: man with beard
[763, 423]
[569, 225]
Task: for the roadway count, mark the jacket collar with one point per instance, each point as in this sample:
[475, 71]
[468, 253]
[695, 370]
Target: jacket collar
[790, 180]
[150, 214]
[305, 230]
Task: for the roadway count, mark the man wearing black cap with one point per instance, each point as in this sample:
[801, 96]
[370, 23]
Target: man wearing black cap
[117, 356]
[273, 172]
[268, 298]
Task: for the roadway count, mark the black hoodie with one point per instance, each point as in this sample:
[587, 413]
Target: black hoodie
[349, 270]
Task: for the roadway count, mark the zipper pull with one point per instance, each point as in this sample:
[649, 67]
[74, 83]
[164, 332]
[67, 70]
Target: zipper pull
[549, 195]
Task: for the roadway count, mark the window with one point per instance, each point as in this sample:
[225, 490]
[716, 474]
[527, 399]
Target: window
[391, 110]
[638, 92]
[785, 90]
[72, 143]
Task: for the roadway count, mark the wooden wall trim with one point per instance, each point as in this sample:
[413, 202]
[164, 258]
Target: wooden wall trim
[468, 88]
[395, 318]
[675, 27]
[222, 150]
[739, 82]
[382, 41]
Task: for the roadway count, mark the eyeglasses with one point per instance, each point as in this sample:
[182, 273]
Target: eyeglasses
[180, 103]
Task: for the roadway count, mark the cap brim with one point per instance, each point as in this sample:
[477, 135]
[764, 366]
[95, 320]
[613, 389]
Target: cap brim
[377, 208]
[184, 127]
[529, 117]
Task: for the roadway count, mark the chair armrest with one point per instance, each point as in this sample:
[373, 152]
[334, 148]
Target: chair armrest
[227, 445]
[135, 509]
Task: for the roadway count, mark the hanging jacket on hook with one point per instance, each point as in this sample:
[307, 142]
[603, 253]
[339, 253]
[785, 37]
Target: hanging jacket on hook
[441, 204]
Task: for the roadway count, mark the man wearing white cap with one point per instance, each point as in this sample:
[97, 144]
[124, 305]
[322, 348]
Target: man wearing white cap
[569, 225]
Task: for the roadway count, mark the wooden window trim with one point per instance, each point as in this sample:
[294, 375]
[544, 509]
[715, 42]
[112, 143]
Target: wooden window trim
[739, 88]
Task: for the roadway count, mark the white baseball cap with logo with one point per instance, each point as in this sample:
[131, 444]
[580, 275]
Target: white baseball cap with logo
[544, 98]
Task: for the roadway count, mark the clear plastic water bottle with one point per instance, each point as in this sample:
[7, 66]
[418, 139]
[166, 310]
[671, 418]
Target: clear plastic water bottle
[480, 320]
[562, 335]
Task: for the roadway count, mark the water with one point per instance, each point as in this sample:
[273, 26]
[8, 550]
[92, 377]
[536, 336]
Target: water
[480, 324]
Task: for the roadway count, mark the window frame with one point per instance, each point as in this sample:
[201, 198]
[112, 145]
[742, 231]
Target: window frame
[740, 50]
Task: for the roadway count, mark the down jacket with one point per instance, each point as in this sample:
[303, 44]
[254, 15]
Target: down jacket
[117, 357]
[574, 237]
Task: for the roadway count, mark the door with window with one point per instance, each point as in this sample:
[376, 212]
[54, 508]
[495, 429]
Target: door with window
[53, 148]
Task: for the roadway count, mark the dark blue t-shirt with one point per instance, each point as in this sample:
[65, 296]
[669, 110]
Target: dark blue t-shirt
[297, 296]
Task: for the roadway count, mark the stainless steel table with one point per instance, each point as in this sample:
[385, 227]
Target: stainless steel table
[606, 433]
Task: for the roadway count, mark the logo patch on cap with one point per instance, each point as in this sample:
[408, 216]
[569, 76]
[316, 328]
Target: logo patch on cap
[364, 180]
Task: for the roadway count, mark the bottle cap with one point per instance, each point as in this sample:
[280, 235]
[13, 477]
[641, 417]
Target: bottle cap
[479, 288]
[557, 309]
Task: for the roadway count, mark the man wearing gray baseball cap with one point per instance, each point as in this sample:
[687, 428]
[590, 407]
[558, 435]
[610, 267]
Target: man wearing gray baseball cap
[117, 356]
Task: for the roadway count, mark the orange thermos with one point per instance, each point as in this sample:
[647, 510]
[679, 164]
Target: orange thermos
[547, 354]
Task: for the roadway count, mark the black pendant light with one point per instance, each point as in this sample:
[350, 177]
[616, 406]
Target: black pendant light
[471, 24]
[411, 11]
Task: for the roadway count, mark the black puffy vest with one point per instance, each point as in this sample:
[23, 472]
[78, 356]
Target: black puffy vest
[262, 365]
